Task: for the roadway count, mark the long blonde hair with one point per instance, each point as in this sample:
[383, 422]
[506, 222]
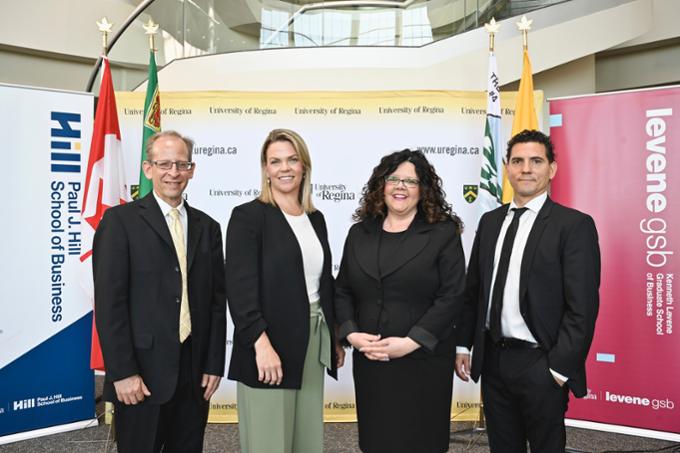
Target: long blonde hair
[300, 147]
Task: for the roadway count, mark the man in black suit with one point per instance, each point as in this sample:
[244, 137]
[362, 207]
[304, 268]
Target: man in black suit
[530, 305]
[160, 307]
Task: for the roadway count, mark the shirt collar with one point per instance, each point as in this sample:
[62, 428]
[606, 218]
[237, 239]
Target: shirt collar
[534, 205]
[166, 208]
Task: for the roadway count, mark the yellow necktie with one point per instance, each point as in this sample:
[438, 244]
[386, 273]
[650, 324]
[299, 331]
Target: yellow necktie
[177, 232]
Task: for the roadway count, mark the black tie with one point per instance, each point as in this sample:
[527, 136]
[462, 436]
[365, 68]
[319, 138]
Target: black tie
[502, 276]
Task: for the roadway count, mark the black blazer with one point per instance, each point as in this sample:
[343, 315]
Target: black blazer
[266, 291]
[416, 296]
[559, 288]
[138, 289]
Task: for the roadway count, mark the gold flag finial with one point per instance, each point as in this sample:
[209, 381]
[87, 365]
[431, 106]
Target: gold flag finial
[524, 25]
[105, 27]
[151, 29]
[492, 28]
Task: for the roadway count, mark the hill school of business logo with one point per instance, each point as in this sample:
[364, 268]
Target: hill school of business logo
[470, 192]
[23, 404]
[65, 142]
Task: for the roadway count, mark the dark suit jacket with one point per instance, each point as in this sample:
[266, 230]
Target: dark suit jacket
[266, 291]
[559, 288]
[138, 288]
[415, 296]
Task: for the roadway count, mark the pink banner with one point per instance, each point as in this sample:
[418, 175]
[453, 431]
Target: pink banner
[619, 160]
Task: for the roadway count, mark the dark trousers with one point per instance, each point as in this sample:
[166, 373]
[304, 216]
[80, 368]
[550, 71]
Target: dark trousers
[522, 401]
[176, 426]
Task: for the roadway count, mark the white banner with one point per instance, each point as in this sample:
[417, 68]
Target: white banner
[45, 321]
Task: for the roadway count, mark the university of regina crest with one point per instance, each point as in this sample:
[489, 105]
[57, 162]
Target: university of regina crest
[152, 119]
[470, 192]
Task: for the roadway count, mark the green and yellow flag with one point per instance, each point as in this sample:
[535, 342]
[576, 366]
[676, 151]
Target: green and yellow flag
[152, 122]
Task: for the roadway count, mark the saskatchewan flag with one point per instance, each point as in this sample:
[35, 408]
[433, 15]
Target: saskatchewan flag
[525, 113]
[490, 181]
[152, 123]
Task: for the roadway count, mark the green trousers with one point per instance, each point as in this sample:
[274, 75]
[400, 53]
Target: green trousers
[288, 420]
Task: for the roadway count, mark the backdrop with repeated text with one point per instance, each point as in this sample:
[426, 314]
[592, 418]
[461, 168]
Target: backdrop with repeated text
[347, 134]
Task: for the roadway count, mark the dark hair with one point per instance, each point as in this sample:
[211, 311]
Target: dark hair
[432, 205]
[530, 135]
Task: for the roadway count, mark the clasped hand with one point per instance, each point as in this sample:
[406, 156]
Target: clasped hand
[382, 349]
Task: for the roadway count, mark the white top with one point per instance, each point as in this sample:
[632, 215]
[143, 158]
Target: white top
[312, 252]
[166, 208]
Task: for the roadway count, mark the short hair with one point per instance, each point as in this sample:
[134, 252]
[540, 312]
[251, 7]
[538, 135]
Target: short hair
[532, 135]
[432, 205]
[300, 147]
[164, 134]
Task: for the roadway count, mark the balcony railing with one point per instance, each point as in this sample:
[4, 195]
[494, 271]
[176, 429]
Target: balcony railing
[190, 28]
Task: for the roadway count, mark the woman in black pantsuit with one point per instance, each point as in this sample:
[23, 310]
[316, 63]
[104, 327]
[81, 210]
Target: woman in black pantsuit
[399, 285]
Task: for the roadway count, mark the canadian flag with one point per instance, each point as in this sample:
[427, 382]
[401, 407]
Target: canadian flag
[104, 187]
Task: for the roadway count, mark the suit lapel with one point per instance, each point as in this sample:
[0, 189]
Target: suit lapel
[194, 233]
[315, 219]
[532, 244]
[496, 221]
[151, 213]
[366, 248]
[278, 216]
[415, 240]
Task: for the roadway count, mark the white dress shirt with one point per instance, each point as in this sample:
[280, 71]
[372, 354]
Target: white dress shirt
[166, 208]
[512, 322]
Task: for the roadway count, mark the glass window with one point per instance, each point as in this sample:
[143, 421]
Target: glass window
[274, 30]
[417, 30]
[377, 28]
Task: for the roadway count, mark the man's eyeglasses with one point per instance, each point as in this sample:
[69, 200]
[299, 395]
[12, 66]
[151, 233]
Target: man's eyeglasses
[182, 165]
[411, 183]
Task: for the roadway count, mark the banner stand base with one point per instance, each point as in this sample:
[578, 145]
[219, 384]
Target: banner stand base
[48, 431]
[662, 435]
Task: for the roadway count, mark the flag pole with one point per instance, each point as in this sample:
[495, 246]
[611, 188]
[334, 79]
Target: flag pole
[489, 193]
[151, 29]
[524, 25]
[105, 27]
[525, 113]
[492, 28]
[151, 119]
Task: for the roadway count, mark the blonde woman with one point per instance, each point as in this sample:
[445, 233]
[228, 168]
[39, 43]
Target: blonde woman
[280, 296]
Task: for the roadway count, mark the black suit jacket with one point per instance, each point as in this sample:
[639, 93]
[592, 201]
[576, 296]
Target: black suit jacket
[266, 291]
[416, 296]
[138, 289]
[559, 288]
